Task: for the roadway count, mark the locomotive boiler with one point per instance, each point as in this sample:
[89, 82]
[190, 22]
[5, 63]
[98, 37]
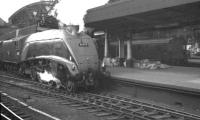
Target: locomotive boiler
[57, 57]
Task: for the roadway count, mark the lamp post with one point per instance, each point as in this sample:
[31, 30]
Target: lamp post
[34, 16]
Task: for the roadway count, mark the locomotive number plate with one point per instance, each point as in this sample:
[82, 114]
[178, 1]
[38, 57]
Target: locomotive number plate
[83, 43]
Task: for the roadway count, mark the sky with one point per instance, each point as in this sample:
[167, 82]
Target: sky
[69, 11]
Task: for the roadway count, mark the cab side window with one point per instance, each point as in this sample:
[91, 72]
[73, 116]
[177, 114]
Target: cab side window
[31, 51]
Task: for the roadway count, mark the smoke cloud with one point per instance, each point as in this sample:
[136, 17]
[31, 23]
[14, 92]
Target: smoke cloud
[73, 11]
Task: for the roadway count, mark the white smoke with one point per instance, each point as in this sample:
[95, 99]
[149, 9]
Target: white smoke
[73, 11]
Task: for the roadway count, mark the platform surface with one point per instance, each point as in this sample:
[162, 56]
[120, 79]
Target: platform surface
[186, 78]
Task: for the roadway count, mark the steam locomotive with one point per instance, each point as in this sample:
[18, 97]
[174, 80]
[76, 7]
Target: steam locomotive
[57, 57]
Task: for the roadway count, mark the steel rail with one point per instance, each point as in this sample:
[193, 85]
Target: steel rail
[4, 117]
[72, 100]
[8, 113]
[135, 103]
[109, 105]
[17, 109]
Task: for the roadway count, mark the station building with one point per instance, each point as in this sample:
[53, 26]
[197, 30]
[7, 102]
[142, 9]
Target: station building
[27, 19]
[31, 13]
[2, 26]
[164, 30]
[2, 22]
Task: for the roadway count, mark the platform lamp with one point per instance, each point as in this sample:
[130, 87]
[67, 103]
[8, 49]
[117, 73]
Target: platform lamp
[34, 16]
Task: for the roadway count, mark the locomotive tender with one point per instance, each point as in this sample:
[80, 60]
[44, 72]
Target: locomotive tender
[57, 57]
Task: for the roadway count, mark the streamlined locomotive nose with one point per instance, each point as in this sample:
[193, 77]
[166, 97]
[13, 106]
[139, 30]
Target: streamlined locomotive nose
[76, 53]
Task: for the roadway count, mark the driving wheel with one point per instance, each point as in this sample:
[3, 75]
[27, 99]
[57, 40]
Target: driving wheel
[71, 86]
[33, 74]
[52, 83]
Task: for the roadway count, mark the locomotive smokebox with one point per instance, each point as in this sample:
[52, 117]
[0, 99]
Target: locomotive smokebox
[73, 29]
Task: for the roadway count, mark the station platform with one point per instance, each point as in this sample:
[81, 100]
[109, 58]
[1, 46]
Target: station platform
[182, 78]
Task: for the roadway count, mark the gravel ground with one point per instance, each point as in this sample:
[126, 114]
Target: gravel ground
[65, 112]
[49, 105]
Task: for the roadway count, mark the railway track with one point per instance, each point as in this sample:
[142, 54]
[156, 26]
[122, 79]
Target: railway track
[110, 107]
[11, 111]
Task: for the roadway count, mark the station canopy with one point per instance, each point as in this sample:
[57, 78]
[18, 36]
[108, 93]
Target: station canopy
[2, 22]
[27, 18]
[138, 15]
[29, 14]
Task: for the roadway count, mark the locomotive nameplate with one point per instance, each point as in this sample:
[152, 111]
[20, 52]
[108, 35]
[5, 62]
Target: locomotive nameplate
[81, 44]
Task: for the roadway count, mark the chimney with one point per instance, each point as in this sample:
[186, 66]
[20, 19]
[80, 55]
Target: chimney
[73, 29]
